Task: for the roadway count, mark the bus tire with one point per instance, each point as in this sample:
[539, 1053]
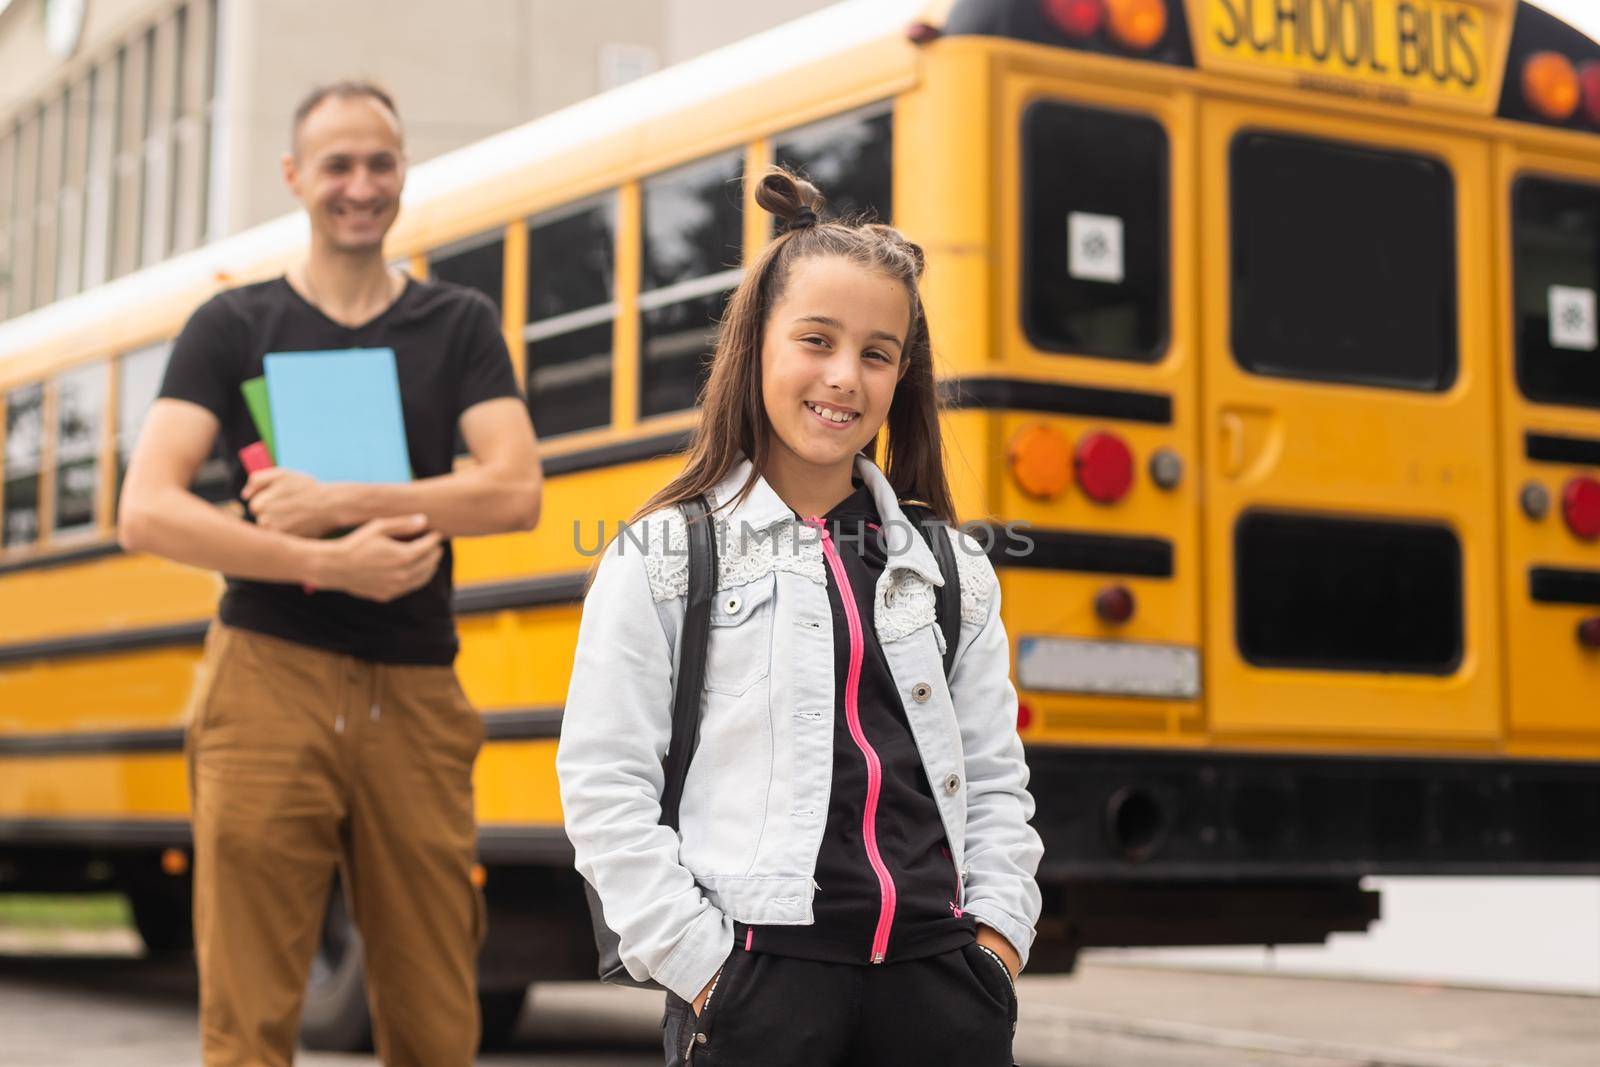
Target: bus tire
[163, 920]
[500, 1011]
[335, 1017]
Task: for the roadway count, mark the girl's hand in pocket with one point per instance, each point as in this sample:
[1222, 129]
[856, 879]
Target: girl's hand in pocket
[700, 1001]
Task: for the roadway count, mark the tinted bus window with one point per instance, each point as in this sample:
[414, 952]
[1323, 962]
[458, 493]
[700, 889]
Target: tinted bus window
[1095, 274]
[849, 158]
[571, 308]
[1344, 594]
[693, 237]
[1344, 263]
[138, 381]
[1557, 248]
[24, 450]
[80, 407]
[478, 263]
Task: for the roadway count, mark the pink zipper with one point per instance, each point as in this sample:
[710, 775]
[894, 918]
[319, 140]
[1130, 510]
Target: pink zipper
[852, 713]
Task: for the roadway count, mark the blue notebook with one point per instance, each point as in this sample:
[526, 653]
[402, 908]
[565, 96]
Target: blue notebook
[336, 415]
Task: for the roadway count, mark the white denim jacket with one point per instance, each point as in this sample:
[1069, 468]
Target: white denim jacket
[756, 799]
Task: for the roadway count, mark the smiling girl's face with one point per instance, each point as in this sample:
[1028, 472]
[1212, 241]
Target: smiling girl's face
[830, 360]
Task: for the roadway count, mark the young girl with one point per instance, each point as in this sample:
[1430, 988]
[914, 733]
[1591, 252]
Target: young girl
[853, 876]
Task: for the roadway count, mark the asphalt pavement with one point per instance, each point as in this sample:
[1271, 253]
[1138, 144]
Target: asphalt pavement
[92, 1002]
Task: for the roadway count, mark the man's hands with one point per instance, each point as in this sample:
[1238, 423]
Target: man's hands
[990, 938]
[293, 503]
[382, 560]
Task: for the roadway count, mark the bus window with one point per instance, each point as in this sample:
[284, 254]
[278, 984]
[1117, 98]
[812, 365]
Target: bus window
[138, 380]
[477, 263]
[693, 232]
[1095, 274]
[24, 449]
[1557, 248]
[1342, 594]
[80, 406]
[849, 158]
[1344, 263]
[571, 308]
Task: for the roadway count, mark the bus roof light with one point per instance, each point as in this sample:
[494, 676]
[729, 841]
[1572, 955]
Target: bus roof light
[1104, 466]
[1580, 504]
[1550, 86]
[1078, 19]
[1138, 24]
[922, 32]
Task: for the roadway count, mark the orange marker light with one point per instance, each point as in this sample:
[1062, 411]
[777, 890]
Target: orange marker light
[1550, 86]
[175, 862]
[479, 876]
[1041, 461]
[1138, 24]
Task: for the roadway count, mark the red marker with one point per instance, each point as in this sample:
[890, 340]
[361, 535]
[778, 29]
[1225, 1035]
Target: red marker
[256, 458]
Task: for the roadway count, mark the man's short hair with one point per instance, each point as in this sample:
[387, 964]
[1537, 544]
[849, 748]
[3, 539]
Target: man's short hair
[344, 89]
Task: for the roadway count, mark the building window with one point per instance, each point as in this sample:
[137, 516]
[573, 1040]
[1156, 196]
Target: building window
[8, 173]
[693, 223]
[1344, 263]
[571, 308]
[849, 158]
[70, 201]
[101, 157]
[1095, 265]
[80, 406]
[52, 121]
[477, 263]
[127, 185]
[19, 500]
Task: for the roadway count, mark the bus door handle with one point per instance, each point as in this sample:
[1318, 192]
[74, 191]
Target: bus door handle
[1232, 452]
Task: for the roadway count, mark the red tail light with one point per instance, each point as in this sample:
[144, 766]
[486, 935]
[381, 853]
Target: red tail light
[1580, 504]
[1024, 716]
[1105, 467]
[1079, 19]
[1114, 604]
[1589, 633]
[1589, 81]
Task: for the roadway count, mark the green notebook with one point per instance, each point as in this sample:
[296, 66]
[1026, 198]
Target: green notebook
[256, 399]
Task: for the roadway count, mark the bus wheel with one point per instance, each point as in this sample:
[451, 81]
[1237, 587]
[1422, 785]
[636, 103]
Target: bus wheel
[163, 920]
[500, 1010]
[335, 1017]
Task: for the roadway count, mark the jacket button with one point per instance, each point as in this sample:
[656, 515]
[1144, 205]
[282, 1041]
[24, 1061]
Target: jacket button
[952, 784]
[921, 692]
[731, 604]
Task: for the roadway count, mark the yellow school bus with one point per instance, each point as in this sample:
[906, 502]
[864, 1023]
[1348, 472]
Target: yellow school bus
[1272, 325]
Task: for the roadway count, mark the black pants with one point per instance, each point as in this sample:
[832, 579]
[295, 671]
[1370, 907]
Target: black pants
[772, 1011]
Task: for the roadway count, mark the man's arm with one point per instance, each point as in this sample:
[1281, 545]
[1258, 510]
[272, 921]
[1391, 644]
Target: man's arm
[158, 514]
[499, 492]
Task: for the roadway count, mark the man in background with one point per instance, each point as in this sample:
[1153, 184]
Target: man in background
[327, 730]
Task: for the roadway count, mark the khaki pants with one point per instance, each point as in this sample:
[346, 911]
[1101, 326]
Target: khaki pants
[302, 762]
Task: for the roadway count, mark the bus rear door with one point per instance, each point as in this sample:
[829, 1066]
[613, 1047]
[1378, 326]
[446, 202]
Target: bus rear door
[1550, 440]
[1349, 430]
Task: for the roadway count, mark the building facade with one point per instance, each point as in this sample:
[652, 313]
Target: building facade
[135, 130]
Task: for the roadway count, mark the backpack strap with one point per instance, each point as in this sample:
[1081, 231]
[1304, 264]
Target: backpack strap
[947, 606]
[693, 639]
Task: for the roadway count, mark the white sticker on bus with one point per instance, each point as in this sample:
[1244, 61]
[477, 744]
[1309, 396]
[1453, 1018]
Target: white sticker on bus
[1094, 247]
[1572, 319]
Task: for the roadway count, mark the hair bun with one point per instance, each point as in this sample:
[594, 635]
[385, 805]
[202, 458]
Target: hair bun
[794, 201]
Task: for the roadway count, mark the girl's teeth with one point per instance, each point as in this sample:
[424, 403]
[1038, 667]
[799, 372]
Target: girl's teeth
[830, 414]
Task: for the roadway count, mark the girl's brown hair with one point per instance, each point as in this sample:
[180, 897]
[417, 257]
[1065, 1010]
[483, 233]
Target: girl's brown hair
[733, 419]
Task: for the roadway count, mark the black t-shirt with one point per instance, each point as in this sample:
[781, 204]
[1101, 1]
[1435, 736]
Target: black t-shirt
[910, 835]
[449, 355]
